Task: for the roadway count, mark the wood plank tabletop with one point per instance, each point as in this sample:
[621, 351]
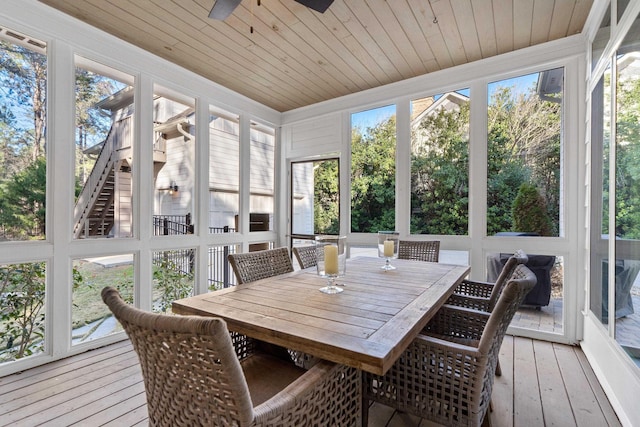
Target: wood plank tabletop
[367, 326]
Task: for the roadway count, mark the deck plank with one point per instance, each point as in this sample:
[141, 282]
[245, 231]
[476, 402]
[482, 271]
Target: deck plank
[133, 400]
[50, 387]
[527, 406]
[584, 403]
[555, 402]
[603, 401]
[135, 417]
[379, 415]
[72, 398]
[502, 396]
[100, 411]
[104, 387]
[73, 377]
[59, 367]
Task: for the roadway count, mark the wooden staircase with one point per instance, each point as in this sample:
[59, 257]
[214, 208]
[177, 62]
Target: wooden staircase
[106, 195]
[94, 211]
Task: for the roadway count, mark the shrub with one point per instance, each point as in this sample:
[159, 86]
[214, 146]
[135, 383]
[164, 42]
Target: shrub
[529, 211]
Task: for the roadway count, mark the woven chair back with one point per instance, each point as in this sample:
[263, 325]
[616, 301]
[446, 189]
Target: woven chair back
[191, 371]
[419, 250]
[306, 255]
[252, 266]
[514, 292]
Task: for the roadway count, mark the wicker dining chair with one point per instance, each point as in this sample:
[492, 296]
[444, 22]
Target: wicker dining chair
[252, 266]
[419, 250]
[449, 381]
[195, 374]
[484, 295]
[306, 255]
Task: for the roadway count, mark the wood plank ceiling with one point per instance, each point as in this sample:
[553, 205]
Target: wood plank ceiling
[296, 57]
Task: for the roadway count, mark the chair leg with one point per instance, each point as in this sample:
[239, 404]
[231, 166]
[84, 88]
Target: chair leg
[365, 412]
[498, 369]
[273, 350]
[486, 420]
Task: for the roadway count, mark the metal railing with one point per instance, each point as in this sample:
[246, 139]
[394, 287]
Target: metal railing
[183, 260]
[218, 230]
[180, 260]
[169, 225]
[220, 274]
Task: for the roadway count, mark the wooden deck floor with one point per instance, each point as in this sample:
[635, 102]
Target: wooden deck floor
[543, 384]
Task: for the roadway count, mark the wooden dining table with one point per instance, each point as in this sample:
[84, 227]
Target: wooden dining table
[367, 326]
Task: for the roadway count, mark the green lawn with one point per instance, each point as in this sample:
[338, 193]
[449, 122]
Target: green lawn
[87, 302]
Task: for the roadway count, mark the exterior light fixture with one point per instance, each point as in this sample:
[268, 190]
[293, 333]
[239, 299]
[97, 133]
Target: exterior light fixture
[172, 188]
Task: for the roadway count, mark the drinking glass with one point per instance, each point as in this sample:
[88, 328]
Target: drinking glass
[388, 247]
[331, 254]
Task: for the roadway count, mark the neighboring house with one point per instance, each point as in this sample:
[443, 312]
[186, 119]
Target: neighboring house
[103, 207]
[302, 187]
[423, 108]
[107, 192]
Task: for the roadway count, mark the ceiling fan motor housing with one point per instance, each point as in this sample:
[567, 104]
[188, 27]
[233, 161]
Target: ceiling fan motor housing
[223, 8]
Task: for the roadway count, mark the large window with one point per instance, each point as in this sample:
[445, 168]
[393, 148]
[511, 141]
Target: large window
[23, 79]
[262, 179]
[373, 170]
[615, 242]
[626, 292]
[224, 171]
[600, 142]
[103, 152]
[220, 274]
[22, 310]
[174, 150]
[23, 183]
[440, 164]
[524, 146]
[90, 317]
[104, 198]
[524, 186]
[315, 197]
[173, 277]
[224, 192]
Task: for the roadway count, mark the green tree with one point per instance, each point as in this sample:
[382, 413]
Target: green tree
[628, 159]
[12, 149]
[326, 218]
[23, 79]
[524, 137]
[22, 291]
[523, 145]
[504, 179]
[171, 282]
[22, 308]
[373, 177]
[22, 201]
[439, 173]
[22, 141]
[529, 211]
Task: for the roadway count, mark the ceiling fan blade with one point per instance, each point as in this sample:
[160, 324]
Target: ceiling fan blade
[223, 8]
[317, 5]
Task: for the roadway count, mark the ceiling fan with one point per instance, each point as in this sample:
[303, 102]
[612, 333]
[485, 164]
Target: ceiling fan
[223, 8]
